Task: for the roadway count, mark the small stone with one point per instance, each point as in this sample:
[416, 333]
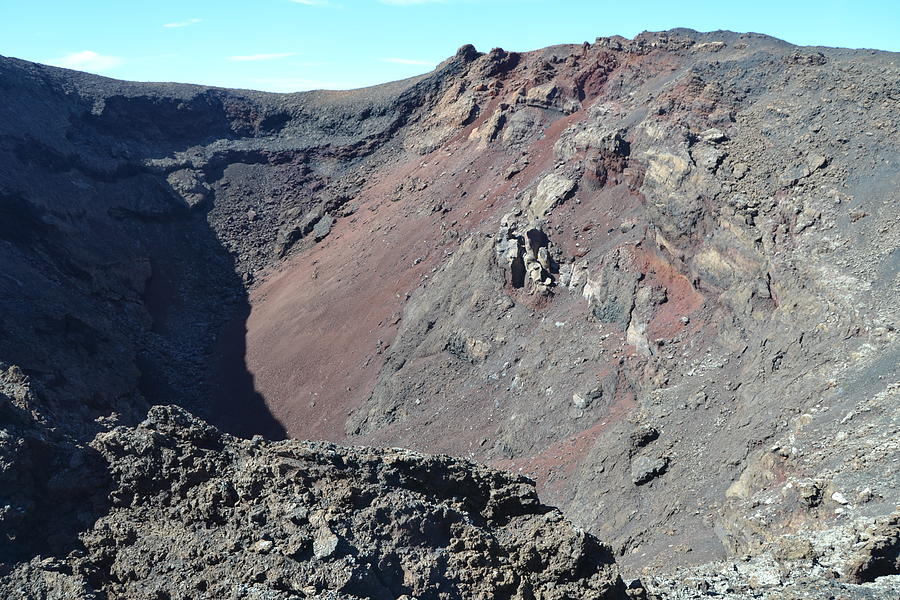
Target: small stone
[645, 469]
[325, 544]
[322, 228]
[263, 546]
[592, 394]
[713, 135]
[839, 498]
[815, 162]
[580, 401]
[642, 436]
[626, 226]
[810, 494]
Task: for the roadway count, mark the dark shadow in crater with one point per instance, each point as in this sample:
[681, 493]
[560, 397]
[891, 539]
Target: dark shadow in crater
[114, 290]
[194, 353]
[235, 404]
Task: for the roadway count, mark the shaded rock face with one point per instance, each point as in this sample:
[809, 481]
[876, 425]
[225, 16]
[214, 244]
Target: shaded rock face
[527, 259]
[195, 513]
[50, 487]
[880, 554]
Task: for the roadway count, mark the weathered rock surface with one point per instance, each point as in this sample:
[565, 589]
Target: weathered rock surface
[854, 560]
[194, 513]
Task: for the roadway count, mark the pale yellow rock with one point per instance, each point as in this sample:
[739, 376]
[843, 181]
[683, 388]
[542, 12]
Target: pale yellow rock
[550, 192]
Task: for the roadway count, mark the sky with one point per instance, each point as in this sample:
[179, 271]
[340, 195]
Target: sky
[294, 45]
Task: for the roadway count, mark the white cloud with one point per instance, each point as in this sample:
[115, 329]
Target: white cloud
[183, 23]
[410, 2]
[87, 60]
[312, 2]
[252, 57]
[408, 61]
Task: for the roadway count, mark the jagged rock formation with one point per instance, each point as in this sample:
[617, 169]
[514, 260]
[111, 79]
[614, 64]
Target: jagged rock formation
[194, 513]
[534, 260]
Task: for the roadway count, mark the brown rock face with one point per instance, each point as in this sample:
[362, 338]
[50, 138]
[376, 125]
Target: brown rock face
[198, 513]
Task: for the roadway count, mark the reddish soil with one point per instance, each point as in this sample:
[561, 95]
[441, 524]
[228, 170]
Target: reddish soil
[681, 297]
[314, 330]
[317, 326]
[553, 467]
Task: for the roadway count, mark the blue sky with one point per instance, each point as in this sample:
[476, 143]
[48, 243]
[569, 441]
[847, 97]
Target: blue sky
[291, 45]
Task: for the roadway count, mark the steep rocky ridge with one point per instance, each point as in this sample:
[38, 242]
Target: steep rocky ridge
[658, 275]
[716, 282]
[188, 512]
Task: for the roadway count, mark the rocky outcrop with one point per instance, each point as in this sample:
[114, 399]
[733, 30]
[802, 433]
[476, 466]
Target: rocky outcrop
[549, 193]
[879, 555]
[197, 513]
[526, 253]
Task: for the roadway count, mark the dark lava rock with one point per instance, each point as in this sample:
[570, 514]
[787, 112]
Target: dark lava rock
[645, 469]
[200, 514]
[728, 268]
[879, 556]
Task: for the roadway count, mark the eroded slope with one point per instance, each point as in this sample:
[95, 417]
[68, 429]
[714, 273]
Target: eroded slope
[658, 275]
